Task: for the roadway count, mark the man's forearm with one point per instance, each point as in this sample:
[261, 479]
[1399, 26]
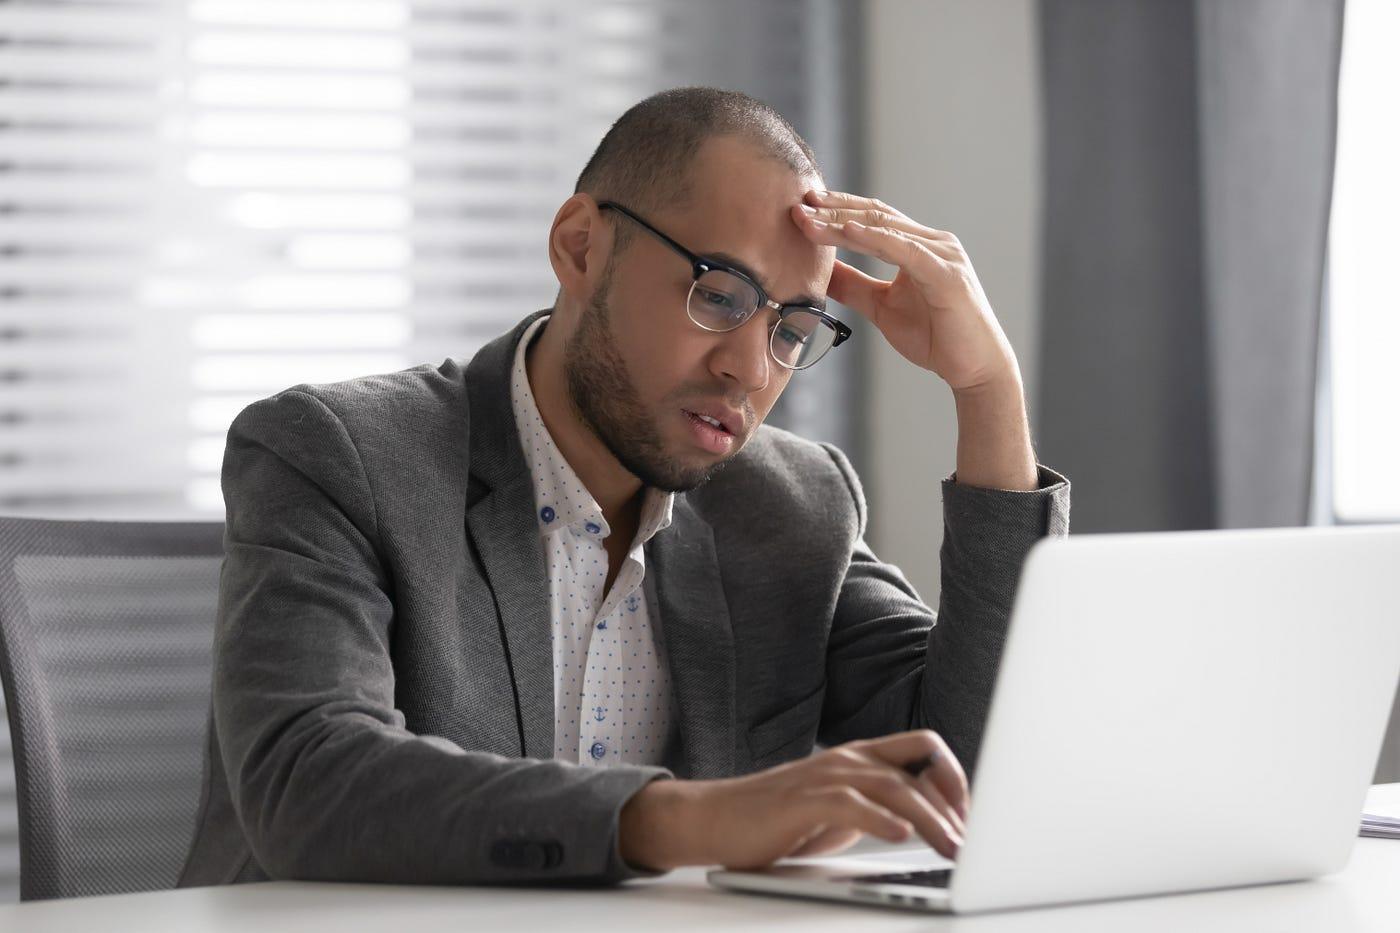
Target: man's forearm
[994, 439]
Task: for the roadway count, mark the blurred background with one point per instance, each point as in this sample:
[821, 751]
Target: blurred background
[1181, 212]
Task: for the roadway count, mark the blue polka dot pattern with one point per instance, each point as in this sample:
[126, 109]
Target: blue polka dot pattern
[612, 694]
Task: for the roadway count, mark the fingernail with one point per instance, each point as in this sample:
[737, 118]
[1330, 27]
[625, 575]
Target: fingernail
[820, 224]
[854, 224]
[806, 209]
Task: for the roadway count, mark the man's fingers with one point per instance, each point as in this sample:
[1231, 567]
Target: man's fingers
[849, 807]
[902, 796]
[848, 760]
[826, 840]
[844, 199]
[925, 785]
[872, 217]
[915, 255]
[854, 289]
[904, 748]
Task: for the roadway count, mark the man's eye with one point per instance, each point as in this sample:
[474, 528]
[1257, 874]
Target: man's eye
[718, 299]
[791, 336]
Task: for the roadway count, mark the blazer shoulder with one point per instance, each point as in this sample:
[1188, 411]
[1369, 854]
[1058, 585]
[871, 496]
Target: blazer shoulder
[424, 386]
[398, 438]
[421, 404]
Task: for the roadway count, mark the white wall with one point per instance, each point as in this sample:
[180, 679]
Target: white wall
[953, 142]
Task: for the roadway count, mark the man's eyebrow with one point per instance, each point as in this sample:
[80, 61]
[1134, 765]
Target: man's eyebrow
[739, 264]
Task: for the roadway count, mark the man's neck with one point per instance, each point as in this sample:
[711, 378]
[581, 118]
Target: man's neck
[617, 491]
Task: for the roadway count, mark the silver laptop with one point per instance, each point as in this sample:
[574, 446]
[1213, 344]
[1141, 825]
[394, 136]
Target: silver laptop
[1173, 712]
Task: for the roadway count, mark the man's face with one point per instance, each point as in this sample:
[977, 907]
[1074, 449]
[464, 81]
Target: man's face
[637, 366]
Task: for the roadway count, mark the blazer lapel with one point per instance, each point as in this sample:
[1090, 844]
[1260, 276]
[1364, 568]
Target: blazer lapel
[692, 619]
[506, 539]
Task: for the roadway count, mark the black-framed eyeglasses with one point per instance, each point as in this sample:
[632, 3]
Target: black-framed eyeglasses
[722, 298]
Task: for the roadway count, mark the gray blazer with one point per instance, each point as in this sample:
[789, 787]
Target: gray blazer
[383, 699]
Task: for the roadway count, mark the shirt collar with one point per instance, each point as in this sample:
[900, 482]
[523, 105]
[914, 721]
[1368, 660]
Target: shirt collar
[561, 500]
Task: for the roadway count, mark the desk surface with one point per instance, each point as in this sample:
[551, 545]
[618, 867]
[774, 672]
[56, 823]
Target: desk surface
[1363, 897]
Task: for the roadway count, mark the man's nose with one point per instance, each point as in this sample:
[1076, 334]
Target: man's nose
[743, 354]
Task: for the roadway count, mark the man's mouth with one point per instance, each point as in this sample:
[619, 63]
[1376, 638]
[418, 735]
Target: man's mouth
[709, 432]
[714, 422]
[719, 416]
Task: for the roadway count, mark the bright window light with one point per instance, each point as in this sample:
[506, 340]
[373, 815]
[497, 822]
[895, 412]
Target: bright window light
[168, 291]
[301, 331]
[315, 131]
[1364, 244]
[205, 494]
[340, 92]
[212, 414]
[335, 251]
[378, 14]
[206, 454]
[269, 372]
[262, 210]
[367, 53]
[238, 170]
[274, 292]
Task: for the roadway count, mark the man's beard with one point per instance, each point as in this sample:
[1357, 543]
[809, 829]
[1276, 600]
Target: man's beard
[603, 395]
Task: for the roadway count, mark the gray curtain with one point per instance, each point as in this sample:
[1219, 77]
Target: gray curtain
[1188, 159]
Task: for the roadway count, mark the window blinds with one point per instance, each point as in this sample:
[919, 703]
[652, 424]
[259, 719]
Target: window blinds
[204, 202]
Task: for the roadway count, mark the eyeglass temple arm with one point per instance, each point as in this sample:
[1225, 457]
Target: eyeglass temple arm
[695, 260]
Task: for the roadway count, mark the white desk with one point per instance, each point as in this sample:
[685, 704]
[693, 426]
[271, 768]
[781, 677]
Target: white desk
[1363, 897]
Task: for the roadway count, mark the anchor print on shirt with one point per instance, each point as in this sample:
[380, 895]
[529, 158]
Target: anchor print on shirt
[632, 603]
[598, 713]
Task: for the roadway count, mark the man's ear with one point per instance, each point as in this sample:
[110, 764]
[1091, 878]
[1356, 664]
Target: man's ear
[579, 242]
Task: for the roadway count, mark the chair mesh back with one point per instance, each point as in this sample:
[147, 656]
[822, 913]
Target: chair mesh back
[106, 637]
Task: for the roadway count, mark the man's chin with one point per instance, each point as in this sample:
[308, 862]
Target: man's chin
[690, 472]
[713, 463]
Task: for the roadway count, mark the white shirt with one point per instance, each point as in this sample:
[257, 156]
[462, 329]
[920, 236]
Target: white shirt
[612, 693]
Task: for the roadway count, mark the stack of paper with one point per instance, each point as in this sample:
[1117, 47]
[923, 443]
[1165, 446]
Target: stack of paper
[1382, 827]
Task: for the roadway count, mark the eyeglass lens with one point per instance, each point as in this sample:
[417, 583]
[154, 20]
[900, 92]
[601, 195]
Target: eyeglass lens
[720, 301]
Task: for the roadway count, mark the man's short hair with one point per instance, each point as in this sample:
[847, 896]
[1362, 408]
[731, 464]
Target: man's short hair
[644, 161]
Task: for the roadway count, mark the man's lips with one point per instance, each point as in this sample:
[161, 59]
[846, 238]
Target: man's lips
[716, 440]
[730, 421]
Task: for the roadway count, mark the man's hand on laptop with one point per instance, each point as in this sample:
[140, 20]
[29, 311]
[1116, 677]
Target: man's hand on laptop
[817, 805]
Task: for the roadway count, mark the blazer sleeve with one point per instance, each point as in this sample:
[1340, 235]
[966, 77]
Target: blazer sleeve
[893, 663]
[326, 781]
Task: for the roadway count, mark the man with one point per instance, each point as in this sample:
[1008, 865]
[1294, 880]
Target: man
[570, 613]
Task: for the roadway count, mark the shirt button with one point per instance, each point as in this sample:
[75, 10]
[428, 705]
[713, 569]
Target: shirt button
[547, 514]
[593, 528]
[598, 750]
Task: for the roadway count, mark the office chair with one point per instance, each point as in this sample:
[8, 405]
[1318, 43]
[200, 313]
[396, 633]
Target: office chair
[106, 638]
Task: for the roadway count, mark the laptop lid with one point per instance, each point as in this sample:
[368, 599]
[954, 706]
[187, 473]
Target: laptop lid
[1184, 710]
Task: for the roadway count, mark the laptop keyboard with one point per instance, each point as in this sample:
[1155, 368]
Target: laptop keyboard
[933, 878]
